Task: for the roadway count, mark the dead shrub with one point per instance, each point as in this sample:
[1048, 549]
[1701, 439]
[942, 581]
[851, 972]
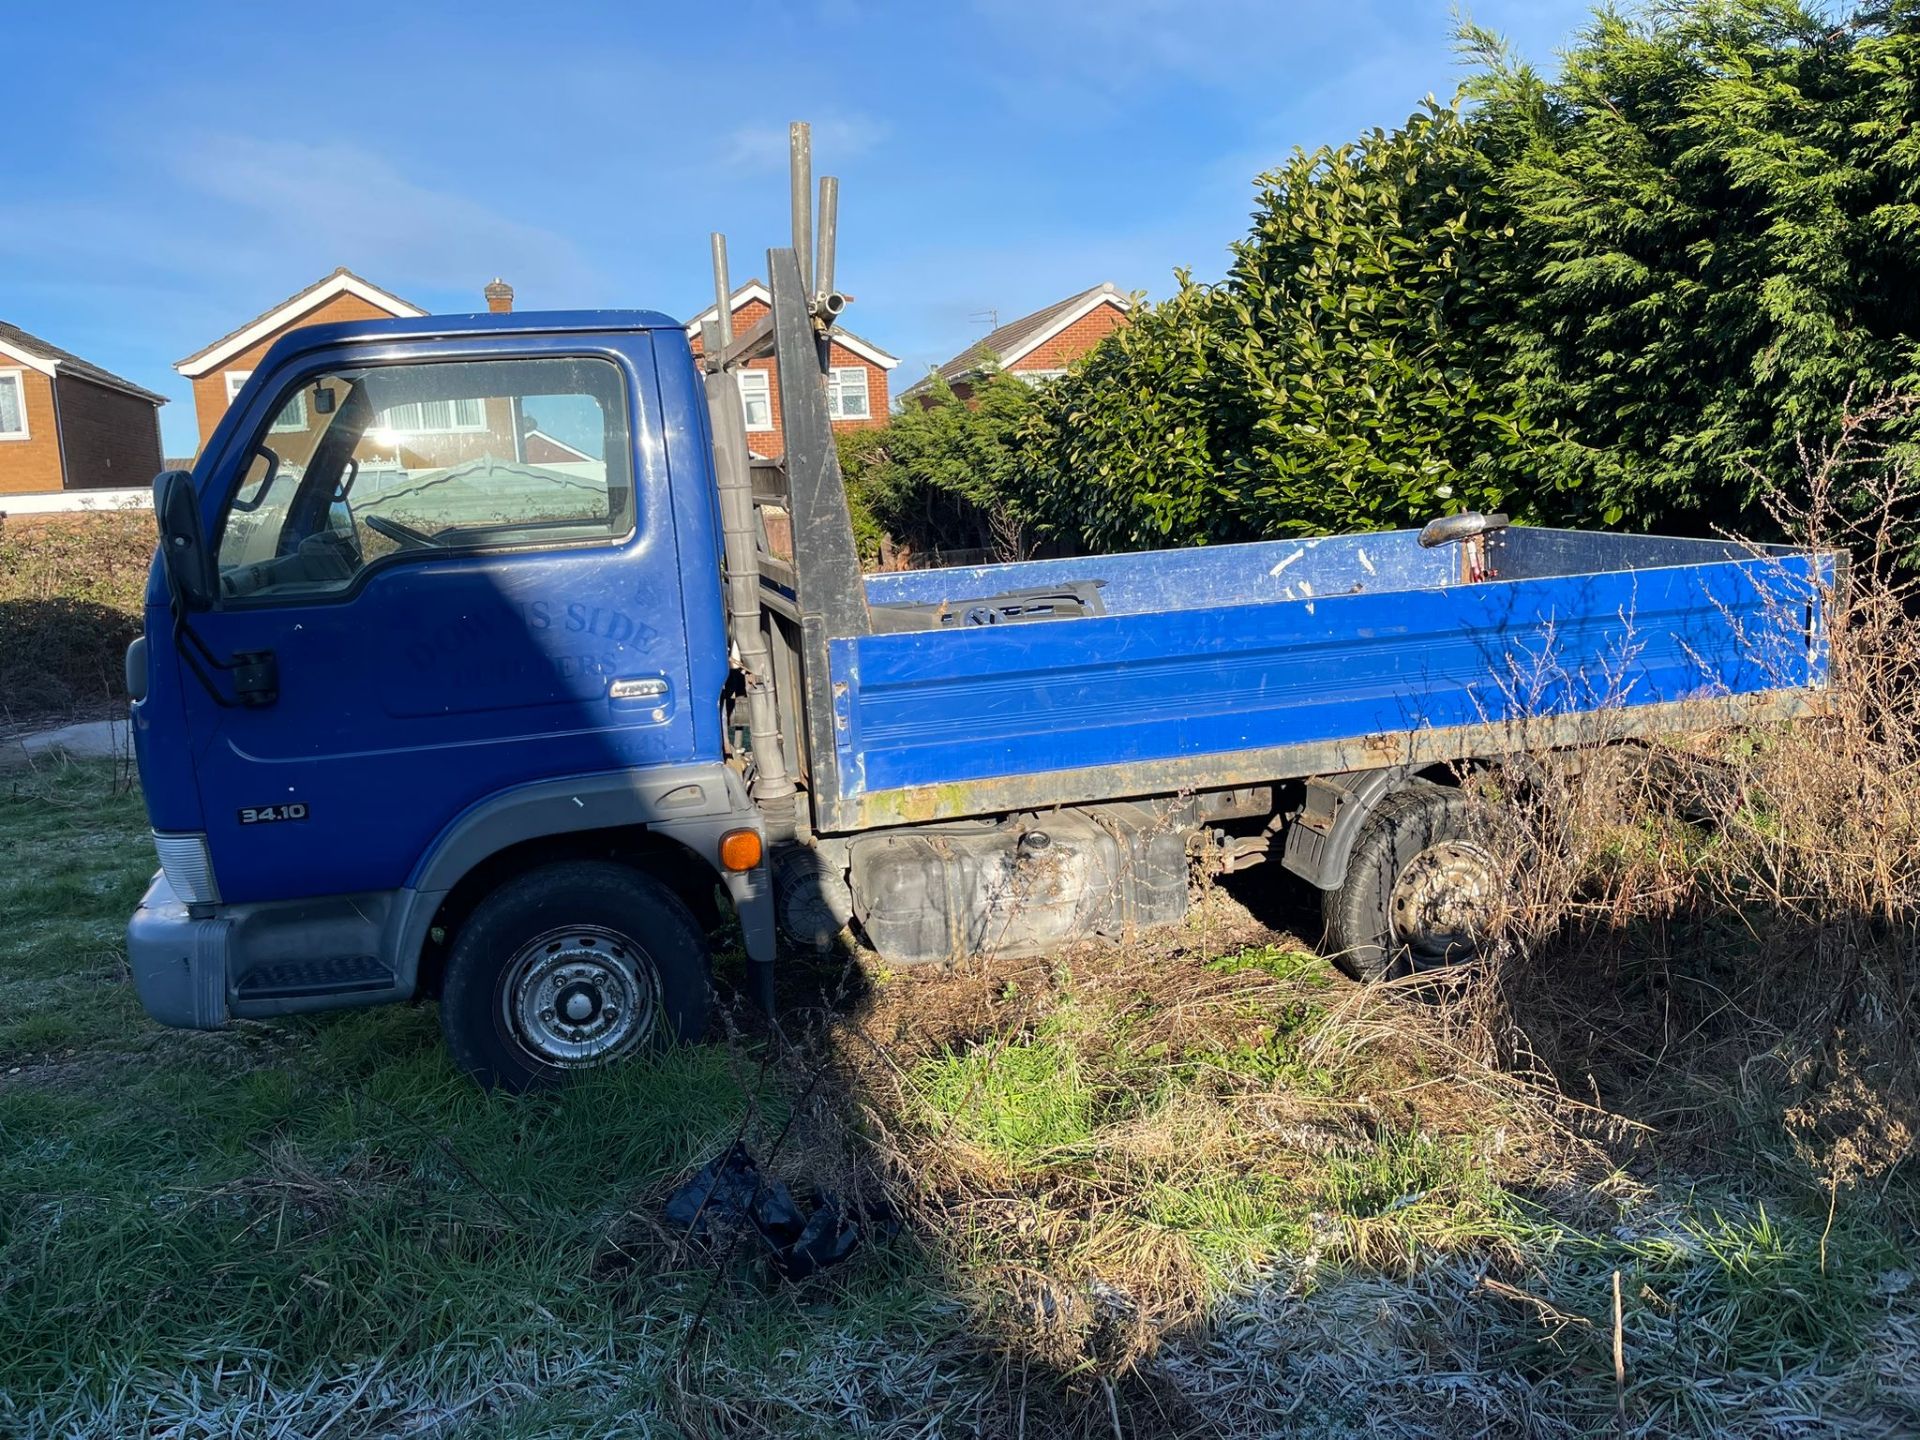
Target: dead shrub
[71, 592]
[1715, 935]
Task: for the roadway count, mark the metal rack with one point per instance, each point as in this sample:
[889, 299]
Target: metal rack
[784, 608]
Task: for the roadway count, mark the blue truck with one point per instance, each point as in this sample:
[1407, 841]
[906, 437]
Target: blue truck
[482, 660]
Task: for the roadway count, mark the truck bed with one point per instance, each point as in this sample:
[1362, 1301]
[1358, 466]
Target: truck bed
[1243, 664]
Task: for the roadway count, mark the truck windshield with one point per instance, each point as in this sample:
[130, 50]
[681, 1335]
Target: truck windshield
[356, 466]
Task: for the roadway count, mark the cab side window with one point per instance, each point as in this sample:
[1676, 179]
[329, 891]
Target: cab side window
[355, 467]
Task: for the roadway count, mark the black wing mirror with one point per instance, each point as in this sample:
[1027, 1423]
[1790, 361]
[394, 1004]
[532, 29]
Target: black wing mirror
[1465, 526]
[183, 545]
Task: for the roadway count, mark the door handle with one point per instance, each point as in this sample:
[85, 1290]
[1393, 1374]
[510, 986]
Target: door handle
[642, 687]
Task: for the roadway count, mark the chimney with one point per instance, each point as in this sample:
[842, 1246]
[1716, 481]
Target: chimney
[499, 297]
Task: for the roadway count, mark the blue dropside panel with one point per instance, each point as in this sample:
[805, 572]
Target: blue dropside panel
[1151, 580]
[1304, 569]
[940, 706]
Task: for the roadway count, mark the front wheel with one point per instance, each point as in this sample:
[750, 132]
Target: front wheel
[1420, 885]
[572, 967]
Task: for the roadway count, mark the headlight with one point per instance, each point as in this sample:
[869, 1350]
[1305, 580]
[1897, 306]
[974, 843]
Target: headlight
[188, 867]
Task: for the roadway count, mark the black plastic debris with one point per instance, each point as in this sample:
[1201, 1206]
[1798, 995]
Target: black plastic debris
[731, 1192]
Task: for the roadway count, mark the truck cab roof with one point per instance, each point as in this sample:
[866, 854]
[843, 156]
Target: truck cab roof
[436, 327]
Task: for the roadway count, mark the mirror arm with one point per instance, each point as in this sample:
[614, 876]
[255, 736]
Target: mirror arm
[255, 674]
[184, 631]
[247, 507]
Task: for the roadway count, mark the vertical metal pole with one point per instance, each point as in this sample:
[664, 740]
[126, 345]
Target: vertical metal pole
[722, 291]
[831, 597]
[829, 233]
[800, 177]
[773, 786]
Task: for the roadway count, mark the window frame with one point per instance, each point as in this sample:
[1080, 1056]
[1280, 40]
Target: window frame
[292, 427]
[18, 375]
[764, 378]
[623, 402]
[835, 410]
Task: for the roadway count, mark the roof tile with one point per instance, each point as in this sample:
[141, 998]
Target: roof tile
[72, 364]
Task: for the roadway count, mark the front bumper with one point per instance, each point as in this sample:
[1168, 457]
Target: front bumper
[179, 960]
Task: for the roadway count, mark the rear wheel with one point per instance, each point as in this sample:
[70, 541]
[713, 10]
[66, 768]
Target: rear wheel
[1419, 886]
[572, 967]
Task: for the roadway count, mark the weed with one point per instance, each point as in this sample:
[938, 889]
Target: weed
[1273, 961]
[1024, 1100]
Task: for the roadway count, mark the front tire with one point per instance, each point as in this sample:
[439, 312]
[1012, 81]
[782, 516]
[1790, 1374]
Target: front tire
[571, 967]
[1419, 885]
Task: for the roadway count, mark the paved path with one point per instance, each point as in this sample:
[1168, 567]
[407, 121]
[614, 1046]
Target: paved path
[89, 740]
[52, 502]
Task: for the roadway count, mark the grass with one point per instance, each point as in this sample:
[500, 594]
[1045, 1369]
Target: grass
[1274, 961]
[1192, 1183]
[1025, 1100]
[242, 1225]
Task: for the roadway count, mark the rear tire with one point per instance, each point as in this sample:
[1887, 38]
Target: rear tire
[1420, 866]
[571, 967]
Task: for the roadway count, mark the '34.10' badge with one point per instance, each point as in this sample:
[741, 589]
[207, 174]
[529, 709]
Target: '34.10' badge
[266, 814]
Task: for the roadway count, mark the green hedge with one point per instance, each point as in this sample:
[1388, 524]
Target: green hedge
[1627, 295]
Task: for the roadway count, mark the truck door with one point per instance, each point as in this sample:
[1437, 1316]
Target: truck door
[441, 576]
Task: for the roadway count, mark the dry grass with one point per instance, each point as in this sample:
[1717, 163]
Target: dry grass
[1718, 938]
[1105, 1143]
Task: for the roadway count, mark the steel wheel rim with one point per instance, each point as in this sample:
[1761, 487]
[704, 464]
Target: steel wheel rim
[579, 996]
[1441, 901]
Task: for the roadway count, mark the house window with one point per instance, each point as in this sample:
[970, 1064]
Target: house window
[293, 414]
[13, 405]
[847, 393]
[756, 398]
[435, 417]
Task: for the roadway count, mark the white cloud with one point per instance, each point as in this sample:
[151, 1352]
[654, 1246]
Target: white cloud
[1100, 52]
[755, 149]
[295, 209]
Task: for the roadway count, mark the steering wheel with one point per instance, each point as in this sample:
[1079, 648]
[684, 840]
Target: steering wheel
[405, 536]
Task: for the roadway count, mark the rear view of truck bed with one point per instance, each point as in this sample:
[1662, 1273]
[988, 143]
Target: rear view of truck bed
[1244, 664]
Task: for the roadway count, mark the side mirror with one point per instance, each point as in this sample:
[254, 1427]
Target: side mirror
[1465, 526]
[183, 545]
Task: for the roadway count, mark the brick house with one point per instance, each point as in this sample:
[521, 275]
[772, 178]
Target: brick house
[409, 437]
[856, 388]
[66, 424]
[1035, 347]
[219, 370]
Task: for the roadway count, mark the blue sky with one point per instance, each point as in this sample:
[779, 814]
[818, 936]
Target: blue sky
[185, 167]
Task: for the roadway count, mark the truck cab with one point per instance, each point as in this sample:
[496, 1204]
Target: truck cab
[466, 616]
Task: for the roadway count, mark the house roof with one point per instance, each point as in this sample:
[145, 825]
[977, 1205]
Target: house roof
[756, 290]
[559, 445]
[32, 351]
[1017, 339]
[341, 282]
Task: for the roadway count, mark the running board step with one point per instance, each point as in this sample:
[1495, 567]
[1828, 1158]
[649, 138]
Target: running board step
[305, 979]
